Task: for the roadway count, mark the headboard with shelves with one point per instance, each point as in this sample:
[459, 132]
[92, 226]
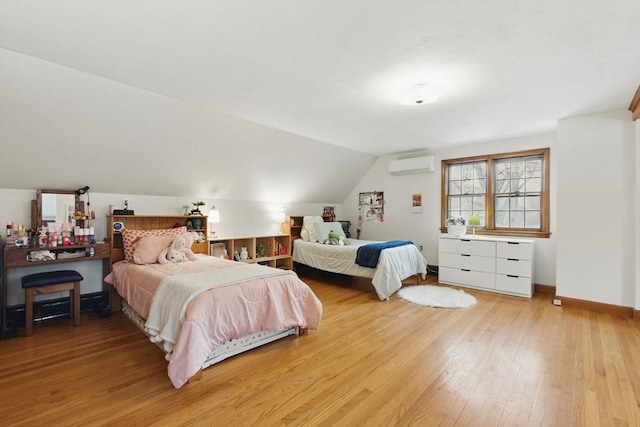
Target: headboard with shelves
[152, 222]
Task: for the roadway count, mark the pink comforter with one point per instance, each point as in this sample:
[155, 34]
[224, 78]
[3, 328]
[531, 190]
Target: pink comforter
[215, 316]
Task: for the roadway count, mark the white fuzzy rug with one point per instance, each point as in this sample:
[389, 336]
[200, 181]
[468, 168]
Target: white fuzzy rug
[437, 296]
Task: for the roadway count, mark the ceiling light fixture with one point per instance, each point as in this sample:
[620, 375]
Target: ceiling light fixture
[420, 94]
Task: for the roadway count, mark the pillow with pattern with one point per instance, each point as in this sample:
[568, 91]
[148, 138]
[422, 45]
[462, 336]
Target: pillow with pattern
[130, 237]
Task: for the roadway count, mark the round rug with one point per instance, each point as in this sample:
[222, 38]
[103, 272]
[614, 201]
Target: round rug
[437, 296]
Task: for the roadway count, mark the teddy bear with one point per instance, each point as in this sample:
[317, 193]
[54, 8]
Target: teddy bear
[178, 251]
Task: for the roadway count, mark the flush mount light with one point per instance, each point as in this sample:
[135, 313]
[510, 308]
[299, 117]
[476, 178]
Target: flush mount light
[420, 93]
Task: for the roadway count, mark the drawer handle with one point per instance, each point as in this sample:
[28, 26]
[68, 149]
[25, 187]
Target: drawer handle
[465, 254]
[510, 275]
[465, 240]
[513, 259]
[464, 269]
[513, 243]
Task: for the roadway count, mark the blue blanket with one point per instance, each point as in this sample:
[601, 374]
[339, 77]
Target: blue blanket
[368, 255]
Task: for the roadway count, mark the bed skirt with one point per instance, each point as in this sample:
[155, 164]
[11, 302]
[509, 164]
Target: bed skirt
[230, 348]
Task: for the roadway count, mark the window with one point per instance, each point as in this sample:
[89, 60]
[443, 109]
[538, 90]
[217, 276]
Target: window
[509, 192]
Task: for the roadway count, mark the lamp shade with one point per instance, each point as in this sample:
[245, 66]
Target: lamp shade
[214, 216]
[474, 220]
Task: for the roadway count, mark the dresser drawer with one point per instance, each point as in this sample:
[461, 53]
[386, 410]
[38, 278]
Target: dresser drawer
[513, 267]
[468, 246]
[468, 262]
[469, 278]
[514, 285]
[516, 250]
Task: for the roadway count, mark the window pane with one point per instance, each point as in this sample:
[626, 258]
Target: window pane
[533, 185]
[502, 203]
[454, 172]
[516, 203]
[517, 169]
[532, 203]
[502, 170]
[534, 168]
[532, 219]
[465, 203]
[517, 185]
[478, 205]
[516, 219]
[480, 169]
[467, 171]
[454, 204]
[502, 186]
[467, 187]
[479, 186]
[502, 219]
[454, 187]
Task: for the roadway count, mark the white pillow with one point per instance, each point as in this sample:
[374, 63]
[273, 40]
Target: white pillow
[308, 224]
[310, 219]
[304, 234]
[323, 229]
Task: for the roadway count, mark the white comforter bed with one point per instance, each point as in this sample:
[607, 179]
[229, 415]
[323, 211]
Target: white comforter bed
[394, 265]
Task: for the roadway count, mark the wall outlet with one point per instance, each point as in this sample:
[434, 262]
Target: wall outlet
[125, 203]
[556, 301]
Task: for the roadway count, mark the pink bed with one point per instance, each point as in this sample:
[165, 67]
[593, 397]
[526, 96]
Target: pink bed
[272, 301]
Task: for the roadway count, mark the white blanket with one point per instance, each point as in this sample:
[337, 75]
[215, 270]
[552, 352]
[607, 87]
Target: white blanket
[394, 265]
[174, 294]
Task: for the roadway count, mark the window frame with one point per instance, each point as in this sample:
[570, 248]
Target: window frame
[489, 228]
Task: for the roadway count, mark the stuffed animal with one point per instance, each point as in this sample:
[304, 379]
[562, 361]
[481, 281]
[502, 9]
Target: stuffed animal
[179, 251]
[336, 238]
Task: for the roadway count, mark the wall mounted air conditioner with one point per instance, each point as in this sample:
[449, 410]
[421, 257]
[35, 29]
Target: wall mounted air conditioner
[414, 165]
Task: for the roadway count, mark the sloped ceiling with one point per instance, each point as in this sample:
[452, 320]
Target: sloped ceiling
[288, 101]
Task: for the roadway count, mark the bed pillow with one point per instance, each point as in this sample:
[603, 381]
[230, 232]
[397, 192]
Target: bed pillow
[308, 224]
[130, 237]
[304, 234]
[147, 248]
[324, 228]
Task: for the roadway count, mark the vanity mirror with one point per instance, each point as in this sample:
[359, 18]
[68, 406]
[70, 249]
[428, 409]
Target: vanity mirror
[54, 206]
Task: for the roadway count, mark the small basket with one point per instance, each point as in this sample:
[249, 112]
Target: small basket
[457, 230]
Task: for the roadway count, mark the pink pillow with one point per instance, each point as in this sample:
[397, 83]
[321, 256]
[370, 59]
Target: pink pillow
[130, 237]
[147, 248]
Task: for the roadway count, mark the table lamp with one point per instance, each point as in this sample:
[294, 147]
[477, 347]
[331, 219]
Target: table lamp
[213, 218]
[474, 221]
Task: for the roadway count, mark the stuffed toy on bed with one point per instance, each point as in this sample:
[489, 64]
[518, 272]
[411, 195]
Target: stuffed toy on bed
[179, 251]
[336, 239]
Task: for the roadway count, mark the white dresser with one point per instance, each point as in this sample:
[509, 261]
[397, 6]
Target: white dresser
[495, 264]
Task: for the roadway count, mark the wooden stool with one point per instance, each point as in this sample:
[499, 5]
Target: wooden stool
[52, 281]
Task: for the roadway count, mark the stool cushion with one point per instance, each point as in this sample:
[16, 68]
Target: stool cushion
[51, 278]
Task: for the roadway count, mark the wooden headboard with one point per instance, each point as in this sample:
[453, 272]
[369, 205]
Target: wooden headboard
[153, 222]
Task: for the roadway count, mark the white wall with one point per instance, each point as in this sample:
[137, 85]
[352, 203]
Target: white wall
[424, 228]
[596, 236]
[637, 213]
[81, 129]
[238, 218]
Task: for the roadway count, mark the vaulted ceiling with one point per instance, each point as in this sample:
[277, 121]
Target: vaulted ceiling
[288, 100]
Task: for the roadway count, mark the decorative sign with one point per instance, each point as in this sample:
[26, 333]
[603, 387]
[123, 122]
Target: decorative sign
[416, 203]
[370, 208]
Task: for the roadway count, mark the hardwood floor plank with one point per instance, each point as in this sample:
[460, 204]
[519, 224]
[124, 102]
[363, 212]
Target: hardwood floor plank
[506, 361]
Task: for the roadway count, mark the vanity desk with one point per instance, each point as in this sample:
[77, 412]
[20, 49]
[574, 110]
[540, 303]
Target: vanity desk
[15, 257]
[52, 207]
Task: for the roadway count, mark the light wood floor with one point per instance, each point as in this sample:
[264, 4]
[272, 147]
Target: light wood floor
[507, 361]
